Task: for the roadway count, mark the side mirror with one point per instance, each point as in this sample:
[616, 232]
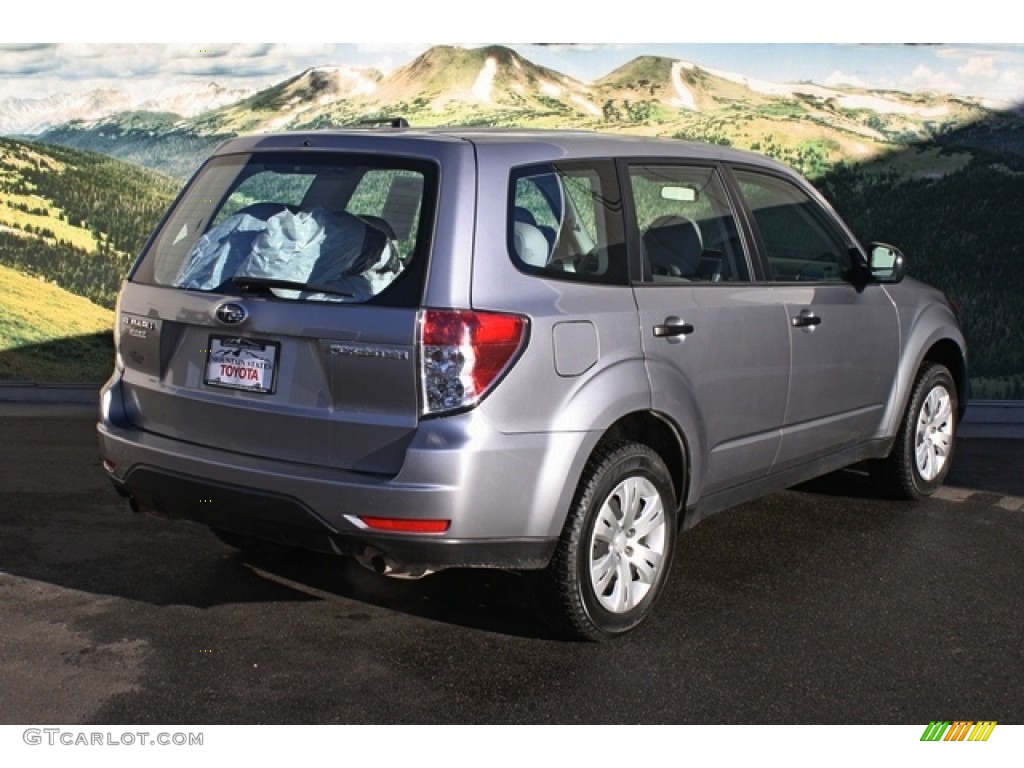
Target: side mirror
[885, 263]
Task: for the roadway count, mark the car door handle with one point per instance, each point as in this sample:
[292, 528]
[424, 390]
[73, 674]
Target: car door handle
[672, 326]
[805, 319]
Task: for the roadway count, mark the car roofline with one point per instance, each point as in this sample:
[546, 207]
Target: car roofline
[574, 142]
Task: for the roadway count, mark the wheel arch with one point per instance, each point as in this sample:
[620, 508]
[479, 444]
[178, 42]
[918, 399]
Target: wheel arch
[664, 438]
[922, 450]
[598, 593]
[933, 336]
[947, 353]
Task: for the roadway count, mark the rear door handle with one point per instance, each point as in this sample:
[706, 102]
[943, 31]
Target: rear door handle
[672, 326]
[806, 319]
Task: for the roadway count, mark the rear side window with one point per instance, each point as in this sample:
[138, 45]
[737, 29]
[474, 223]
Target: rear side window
[686, 224]
[565, 221]
[339, 228]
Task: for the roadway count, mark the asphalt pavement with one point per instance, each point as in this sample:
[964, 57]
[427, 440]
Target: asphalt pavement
[821, 604]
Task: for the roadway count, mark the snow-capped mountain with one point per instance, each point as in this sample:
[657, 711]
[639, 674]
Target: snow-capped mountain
[28, 117]
[191, 99]
[33, 116]
[495, 85]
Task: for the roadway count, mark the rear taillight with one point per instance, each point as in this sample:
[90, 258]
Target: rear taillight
[463, 354]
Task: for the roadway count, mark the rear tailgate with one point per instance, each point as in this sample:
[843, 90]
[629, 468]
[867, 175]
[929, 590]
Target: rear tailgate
[311, 382]
[274, 313]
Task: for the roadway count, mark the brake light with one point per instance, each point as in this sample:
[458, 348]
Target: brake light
[463, 354]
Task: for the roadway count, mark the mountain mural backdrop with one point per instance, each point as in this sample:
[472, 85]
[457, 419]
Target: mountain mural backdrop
[84, 179]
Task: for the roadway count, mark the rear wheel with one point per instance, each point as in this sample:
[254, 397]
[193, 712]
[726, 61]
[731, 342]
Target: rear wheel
[923, 452]
[617, 545]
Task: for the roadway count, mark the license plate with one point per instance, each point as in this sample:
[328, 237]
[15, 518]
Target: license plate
[238, 363]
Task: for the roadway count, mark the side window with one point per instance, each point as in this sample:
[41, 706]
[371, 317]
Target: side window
[565, 221]
[799, 242]
[687, 228]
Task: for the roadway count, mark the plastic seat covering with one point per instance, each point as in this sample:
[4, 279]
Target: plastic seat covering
[530, 244]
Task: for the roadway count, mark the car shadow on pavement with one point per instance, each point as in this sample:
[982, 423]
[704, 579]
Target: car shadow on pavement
[979, 466]
[853, 482]
[104, 549]
[502, 602]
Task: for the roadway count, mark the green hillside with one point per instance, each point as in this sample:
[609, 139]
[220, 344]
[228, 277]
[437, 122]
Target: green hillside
[71, 224]
[77, 219]
[153, 140]
[48, 334]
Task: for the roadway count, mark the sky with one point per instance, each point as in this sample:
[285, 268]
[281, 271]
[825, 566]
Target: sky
[983, 69]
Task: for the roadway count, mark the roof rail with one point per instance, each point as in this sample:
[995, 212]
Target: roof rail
[380, 122]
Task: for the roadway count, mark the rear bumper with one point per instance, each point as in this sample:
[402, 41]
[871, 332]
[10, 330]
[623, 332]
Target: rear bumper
[285, 520]
[506, 496]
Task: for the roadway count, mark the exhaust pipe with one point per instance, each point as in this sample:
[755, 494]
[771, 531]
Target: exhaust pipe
[379, 563]
[137, 508]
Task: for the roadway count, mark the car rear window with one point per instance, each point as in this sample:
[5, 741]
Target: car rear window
[343, 228]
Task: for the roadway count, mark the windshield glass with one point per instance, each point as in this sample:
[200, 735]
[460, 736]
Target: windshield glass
[299, 226]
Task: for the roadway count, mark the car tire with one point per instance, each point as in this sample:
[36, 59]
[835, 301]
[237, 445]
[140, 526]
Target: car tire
[616, 548]
[923, 452]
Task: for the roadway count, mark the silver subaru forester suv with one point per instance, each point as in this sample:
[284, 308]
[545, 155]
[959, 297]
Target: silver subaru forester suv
[553, 351]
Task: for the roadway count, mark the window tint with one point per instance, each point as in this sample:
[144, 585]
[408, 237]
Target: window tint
[565, 221]
[389, 199]
[286, 189]
[687, 229]
[328, 228]
[800, 243]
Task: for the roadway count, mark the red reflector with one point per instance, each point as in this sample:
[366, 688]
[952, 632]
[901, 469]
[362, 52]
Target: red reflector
[405, 525]
[109, 465]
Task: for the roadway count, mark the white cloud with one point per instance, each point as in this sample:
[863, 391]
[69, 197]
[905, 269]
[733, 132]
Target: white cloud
[385, 56]
[841, 78]
[991, 71]
[923, 78]
[979, 67]
[409, 50]
[25, 60]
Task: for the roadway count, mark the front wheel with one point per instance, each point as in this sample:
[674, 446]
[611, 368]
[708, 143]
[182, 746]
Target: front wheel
[923, 453]
[617, 545]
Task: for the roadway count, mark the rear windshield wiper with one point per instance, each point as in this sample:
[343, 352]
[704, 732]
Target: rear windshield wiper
[245, 282]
